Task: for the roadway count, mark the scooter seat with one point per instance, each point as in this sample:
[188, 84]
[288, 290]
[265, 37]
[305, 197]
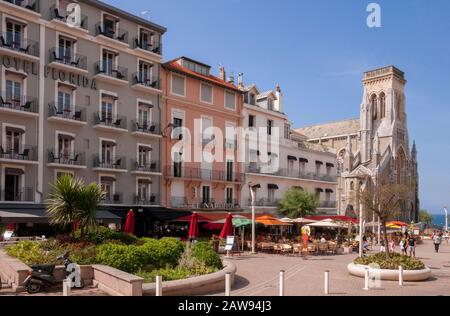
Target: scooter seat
[48, 268]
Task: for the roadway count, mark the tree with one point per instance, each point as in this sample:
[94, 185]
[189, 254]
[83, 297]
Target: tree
[425, 218]
[385, 200]
[298, 203]
[69, 201]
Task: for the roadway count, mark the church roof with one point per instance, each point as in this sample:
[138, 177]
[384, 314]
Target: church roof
[330, 129]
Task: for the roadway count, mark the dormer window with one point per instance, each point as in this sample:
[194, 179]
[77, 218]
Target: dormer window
[270, 104]
[201, 69]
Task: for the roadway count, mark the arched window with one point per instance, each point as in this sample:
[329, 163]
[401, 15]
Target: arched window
[399, 107]
[352, 185]
[373, 105]
[382, 105]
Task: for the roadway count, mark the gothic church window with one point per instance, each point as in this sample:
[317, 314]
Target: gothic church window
[373, 103]
[382, 105]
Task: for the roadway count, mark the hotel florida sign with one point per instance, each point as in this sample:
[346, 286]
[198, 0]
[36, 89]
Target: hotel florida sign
[32, 68]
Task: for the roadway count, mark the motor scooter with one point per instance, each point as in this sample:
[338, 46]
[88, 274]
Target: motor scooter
[41, 276]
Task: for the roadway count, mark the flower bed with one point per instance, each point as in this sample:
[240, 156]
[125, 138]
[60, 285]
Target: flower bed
[393, 262]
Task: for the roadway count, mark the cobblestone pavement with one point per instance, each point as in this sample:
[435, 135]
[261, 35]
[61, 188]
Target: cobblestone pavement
[258, 275]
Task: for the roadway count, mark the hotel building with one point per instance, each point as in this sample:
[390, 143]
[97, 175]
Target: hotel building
[195, 101]
[81, 95]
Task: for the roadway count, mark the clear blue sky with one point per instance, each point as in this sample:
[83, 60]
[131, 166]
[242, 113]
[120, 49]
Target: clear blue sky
[317, 50]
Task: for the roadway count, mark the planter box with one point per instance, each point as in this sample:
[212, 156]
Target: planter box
[390, 275]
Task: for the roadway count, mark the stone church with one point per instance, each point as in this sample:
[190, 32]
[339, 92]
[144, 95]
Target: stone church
[375, 146]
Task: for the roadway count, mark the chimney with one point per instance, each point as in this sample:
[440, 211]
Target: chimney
[241, 80]
[222, 74]
[231, 78]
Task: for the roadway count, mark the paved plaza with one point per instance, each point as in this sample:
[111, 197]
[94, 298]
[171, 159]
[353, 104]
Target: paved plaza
[258, 275]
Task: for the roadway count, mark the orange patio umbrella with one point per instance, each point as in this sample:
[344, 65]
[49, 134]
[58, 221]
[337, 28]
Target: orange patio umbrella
[396, 223]
[269, 220]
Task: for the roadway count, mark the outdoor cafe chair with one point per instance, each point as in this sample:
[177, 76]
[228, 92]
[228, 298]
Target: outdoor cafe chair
[323, 248]
[285, 249]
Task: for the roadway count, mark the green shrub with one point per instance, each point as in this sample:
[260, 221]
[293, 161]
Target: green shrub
[162, 253]
[206, 254]
[393, 262]
[30, 252]
[103, 234]
[125, 258]
[168, 274]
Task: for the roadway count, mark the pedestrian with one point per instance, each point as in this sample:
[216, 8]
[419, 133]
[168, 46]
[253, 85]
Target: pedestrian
[437, 239]
[392, 245]
[412, 246]
[382, 246]
[403, 246]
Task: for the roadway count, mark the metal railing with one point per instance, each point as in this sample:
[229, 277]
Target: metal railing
[153, 166]
[146, 127]
[113, 198]
[181, 202]
[121, 35]
[111, 70]
[77, 114]
[264, 202]
[32, 5]
[112, 163]
[18, 103]
[148, 81]
[24, 152]
[115, 121]
[71, 158]
[74, 60]
[62, 15]
[152, 199]
[11, 195]
[203, 174]
[154, 47]
[22, 45]
[327, 204]
[256, 168]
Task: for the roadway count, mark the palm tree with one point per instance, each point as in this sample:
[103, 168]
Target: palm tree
[298, 203]
[69, 201]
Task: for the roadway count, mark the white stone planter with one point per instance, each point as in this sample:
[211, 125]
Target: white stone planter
[391, 275]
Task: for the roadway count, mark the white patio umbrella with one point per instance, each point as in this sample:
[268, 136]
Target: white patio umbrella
[302, 220]
[325, 224]
[287, 220]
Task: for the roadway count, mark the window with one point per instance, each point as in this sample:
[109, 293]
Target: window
[144, 156]
[287, 131]
[230, 100]
[107, 185]
[144, 112]
[145, 39]
[318, 167]
[108, 62]
[269, 127]
[178, 85]
[206, 194]
[373, 102]
[206, 93]
[143, 190]
[109, 26]
[271, 195]
[65, 49]
[65, 143]
[64, 105]
[302, 166]
[177, 169]
[14, 34]
[251, 98]
[14, 90]
[145, 73]
[270, 104]
[107, 152]
[207, 134]
[107, 111]
[13, 140]
[229, 195]
[382, 105]
[251, 121]
[290, 166]
[230, 170]
[177, 125]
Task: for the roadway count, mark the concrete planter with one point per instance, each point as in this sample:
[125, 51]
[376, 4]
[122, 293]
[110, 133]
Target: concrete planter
[391, 275]
[201, 285]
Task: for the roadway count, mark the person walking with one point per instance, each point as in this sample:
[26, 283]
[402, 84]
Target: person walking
[403, 246]
[437, 239]
[412, 246]
[391, 245]
[382, 246]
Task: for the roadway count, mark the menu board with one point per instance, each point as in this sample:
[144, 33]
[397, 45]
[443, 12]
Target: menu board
[230, 243]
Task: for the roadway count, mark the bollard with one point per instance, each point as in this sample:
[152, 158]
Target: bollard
[227, 284]
[282, 283]
[158, 285]
[400, 275]
[327, 282]
[67, 288]
[366, 279]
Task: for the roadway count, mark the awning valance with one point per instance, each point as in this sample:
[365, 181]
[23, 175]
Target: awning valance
[14, 171]
[107, 179]
[292, 158]
[303, 160]
[318, 162]
[272, 186]
[106, 95]
[15, 130]
[329, 191]
[109, 143]
[65, 136]
[330, 165]
[319, 190]
[145, 181]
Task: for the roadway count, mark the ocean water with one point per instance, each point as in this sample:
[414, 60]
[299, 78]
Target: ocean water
[439, 220]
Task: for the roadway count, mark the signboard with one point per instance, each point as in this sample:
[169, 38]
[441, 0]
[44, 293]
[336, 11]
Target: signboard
[7, 235]
[230, 243]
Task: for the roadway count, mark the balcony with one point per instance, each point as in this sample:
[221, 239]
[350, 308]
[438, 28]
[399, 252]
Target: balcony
[264, 202]
[114, 198]
[74, 62]
[203, 174]
[327, 204]
[115, 164]
[71, 160]
[117, 124]
[288, 173]
[209, 204]
[11, 195]
[74, 117]
[120, 37]
[140, 168]
[23, 106]
[20, 48]
[61, 16]
[111, 73]
[25, 155]
[155, 47]
[146, 129]
[144, 83]
[30, 6]
[151, 200]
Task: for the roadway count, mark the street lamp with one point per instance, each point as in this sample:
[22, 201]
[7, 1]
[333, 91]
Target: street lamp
[252, 187]
[446, 218]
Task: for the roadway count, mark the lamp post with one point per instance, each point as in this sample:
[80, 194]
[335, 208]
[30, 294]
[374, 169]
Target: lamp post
[446, 218]
[252, 189]
[361, 230]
